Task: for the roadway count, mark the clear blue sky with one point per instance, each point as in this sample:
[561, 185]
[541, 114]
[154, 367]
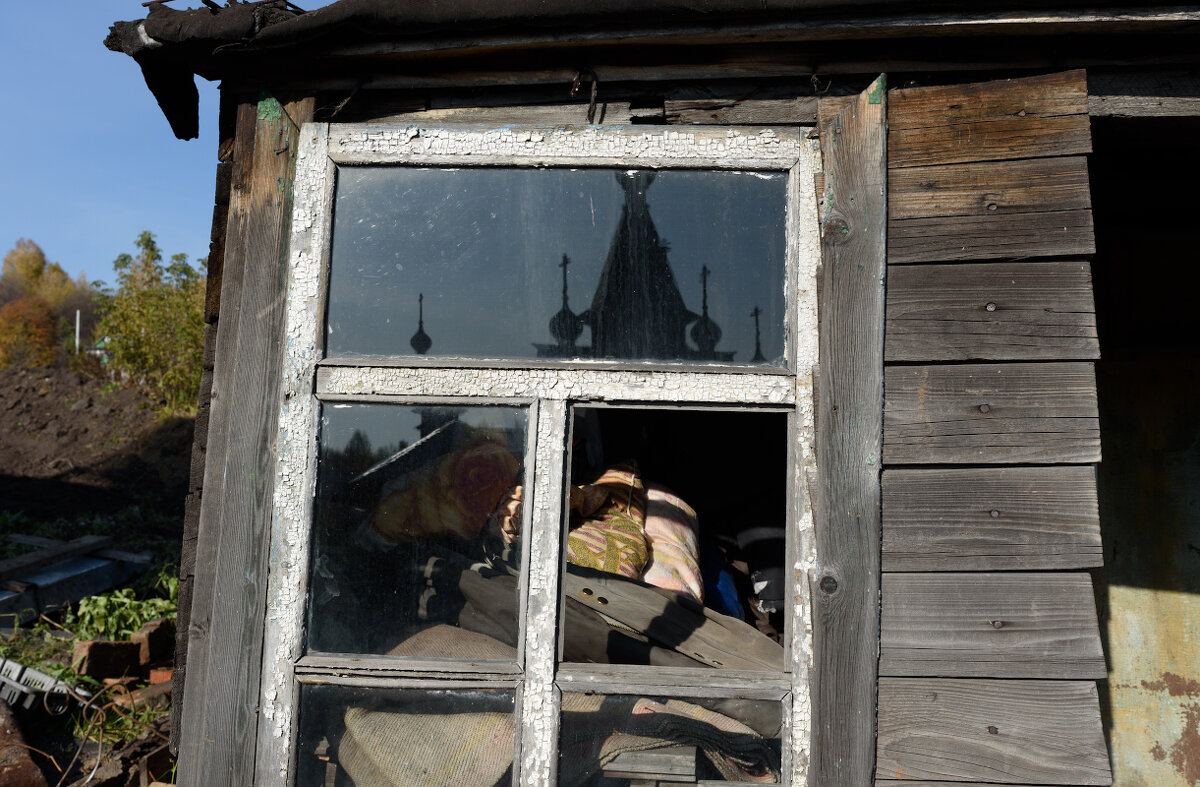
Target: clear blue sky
[88, 160]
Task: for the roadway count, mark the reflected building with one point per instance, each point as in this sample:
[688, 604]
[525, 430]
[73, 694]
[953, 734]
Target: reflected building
[637, 310]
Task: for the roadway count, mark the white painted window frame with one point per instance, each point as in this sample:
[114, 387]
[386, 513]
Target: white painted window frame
[549, 389]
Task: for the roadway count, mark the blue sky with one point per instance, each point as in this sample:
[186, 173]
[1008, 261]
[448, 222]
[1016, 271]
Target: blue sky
[89, 161]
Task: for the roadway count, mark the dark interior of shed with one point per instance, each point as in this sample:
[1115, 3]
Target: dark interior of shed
[1143, 175]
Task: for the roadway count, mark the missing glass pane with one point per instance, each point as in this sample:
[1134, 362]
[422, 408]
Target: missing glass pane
[416, 551]
[619, 740]
[354, 737]
[676, 544]
[559, 264]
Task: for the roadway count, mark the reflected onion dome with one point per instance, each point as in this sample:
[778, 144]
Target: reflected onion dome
[420, 340]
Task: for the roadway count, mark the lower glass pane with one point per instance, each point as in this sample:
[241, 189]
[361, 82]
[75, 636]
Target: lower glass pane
[610, 740]
[415, 549]
[352, 736]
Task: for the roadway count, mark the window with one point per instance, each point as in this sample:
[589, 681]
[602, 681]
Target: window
[546, 417]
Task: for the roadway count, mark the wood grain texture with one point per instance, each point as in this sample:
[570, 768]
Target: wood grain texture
[200, 545]
[1011, 625]
[1004, 731]
[994, 237]
[224, 751]
[990, 519]
[991, 414]
[1157, 94]
[846, 607]
[989, 188]
[989, 121]
[800, 110]
[991, 311]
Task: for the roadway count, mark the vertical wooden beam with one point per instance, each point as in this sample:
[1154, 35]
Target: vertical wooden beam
[849, 442]
[225, 632]
[212, 310]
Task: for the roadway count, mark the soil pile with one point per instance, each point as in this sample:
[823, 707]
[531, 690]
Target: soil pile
[71, 444]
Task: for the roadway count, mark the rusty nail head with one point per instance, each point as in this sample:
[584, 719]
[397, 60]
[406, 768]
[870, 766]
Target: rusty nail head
[997, 624]
[995, 513]
[992, 206]
[983, 408]
[992, 729]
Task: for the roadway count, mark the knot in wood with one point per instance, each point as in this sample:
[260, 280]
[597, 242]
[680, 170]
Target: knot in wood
[829, 584]
[837, 229]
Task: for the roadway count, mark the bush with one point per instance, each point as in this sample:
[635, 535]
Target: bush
[154, 324]
[28, 335]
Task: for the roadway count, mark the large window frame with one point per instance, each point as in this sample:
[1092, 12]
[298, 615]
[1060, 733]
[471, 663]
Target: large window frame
[549, 389]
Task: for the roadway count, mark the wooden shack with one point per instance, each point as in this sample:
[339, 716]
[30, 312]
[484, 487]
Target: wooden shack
[860, 315]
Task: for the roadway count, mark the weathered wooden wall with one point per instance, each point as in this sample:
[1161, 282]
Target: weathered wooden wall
[989, 644]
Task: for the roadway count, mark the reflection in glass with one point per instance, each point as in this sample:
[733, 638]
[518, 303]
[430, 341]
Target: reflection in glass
[415, 544]
[677, 543]
[627, 739]
[382, 737]
[558, 263]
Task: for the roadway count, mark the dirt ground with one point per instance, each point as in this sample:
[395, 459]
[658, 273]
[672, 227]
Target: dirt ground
[72, 444]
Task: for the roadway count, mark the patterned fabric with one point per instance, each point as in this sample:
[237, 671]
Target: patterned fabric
[452, 497]
[672, 534]
[420, 745]
[612, 510]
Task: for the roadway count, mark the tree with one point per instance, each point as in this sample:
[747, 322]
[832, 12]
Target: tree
[154, 323]
[26, 273]
[27, 333]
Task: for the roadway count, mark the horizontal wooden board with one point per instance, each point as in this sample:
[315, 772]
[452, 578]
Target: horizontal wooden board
[988, 188]
[990, 519]
[927, 783]
[1010, 625]
[995, 236]
[989, 121]
[991, 414]
[747, 112]
[991, 311]
[1003, 731]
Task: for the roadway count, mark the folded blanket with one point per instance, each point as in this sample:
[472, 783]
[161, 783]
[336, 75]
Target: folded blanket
[672, 535]
[612, 512]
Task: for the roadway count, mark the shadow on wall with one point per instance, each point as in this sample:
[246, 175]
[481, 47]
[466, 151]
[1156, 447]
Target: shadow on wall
[1147, 281]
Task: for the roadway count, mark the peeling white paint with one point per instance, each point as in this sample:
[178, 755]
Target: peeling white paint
[568, 146]
[560, 384]
[296, 460]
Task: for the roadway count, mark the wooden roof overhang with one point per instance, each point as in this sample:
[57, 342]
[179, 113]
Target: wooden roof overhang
[355, 45]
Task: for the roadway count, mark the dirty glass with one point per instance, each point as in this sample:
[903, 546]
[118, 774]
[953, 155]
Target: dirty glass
[677, 265]
[378, 737]
[416, 542]
[611, 740]
[676, 539]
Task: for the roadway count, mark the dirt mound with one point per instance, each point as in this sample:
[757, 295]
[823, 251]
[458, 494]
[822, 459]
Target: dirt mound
[71, 444]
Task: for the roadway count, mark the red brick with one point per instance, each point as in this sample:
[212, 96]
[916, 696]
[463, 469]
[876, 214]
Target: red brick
[102, 659]
[156, 640]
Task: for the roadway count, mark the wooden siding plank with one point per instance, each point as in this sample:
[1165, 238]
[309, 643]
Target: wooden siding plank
[994, 237]
[1013, 625]
[991, 414]
[234, 619]
[196, 587]
[800, 110]
[846, 607]
[989, 121]
[990, 519]
[991, 311]
[1035, 731]
[989, 188]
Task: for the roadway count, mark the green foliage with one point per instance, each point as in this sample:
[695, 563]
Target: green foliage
[155, 323]
[119, 613]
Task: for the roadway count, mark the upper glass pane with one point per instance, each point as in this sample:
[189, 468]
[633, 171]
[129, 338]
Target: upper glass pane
[415, 543]
[677, 265]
